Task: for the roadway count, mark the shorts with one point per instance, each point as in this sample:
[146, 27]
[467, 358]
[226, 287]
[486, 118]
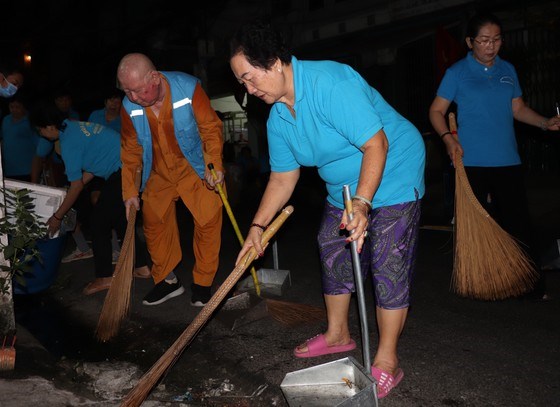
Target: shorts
[389, 253]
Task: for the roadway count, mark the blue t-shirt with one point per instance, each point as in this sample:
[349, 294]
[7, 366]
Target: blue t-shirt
[484, 110]
[98, 116]
[337, 111]
[19, 142]
[89, 147]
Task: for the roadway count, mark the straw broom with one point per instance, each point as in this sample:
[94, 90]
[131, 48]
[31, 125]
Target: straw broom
[117, 301]
[139, 393]
[489, 263]
[287, 313]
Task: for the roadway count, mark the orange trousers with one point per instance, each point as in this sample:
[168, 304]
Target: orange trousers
[162, 232]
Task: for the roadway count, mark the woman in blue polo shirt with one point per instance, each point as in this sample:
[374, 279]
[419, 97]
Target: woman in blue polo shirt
[326, 115]
[88, 150]
[489, 98]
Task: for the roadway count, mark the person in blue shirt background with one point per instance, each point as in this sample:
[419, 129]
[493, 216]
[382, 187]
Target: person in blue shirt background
[110, 114]
[89, 150]
[19, 140]
[488, 96]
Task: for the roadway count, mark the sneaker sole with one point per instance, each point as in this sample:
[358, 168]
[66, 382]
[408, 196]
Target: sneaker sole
[172, 294]
[198, 304]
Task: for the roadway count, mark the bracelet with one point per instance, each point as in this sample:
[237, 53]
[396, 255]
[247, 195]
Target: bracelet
[363, 200]
[442, 135]
[261, 227]
[56, 217]
[543, 125]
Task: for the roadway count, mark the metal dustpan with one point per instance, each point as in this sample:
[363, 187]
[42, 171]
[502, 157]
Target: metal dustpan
[341, 383]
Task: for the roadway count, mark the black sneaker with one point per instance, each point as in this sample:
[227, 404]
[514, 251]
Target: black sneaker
[163, 291]
[200, 295]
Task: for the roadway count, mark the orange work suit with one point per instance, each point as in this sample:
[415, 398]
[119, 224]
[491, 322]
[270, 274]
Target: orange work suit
[172, 177]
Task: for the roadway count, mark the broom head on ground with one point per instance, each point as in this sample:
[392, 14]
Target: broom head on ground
[489, 263]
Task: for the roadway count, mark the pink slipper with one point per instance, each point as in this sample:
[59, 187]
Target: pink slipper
[386, 381]
[317, 346]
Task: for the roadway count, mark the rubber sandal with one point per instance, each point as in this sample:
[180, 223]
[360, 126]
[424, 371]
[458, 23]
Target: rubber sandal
[317, 346]
[386, 381]
[99, 284]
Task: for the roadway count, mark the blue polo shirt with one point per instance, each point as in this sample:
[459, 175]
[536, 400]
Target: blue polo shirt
[98, 116]
[336, 113]
[484, 112]
[89, 147]
[19, 142]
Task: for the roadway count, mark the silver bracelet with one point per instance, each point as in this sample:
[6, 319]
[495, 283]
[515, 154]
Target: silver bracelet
[364, 200]
[543, 125]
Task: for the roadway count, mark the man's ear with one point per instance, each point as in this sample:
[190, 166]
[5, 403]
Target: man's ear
[469, 42]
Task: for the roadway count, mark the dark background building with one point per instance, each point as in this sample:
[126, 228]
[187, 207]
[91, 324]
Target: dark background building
[402, 47]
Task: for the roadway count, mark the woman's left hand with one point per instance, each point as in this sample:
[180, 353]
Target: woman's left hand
[553, 123]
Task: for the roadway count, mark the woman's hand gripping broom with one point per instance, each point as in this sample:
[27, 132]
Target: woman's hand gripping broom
[234, 223]
[287, 313]
[489, 264]
[139, 393]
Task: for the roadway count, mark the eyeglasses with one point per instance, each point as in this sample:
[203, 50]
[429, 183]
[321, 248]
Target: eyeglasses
[487, 42]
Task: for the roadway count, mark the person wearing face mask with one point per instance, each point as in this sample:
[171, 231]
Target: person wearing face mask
[10, 82]
[488, 96]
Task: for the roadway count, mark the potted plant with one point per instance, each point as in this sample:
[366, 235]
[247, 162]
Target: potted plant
[23, 230]
[20, 232]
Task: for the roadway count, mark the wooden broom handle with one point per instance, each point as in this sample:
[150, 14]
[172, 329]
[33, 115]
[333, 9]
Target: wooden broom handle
[139, 393]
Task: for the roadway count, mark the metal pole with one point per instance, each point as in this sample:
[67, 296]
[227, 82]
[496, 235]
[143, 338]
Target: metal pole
[359, 282]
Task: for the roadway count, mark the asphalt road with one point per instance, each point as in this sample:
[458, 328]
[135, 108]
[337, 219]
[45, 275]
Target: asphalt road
[454, 351]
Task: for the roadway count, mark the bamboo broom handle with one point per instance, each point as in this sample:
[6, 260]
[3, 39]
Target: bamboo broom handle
[139, 393]
[235, 226]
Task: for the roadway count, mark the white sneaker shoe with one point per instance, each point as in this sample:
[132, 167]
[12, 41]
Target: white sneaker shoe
[77, 255]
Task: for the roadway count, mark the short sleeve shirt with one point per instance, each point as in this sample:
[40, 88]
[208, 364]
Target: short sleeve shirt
[484, 110]
[89, 147]
[336, 113]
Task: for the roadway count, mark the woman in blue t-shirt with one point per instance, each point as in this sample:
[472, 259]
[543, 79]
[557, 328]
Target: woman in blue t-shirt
[326, 115]
[489, 98]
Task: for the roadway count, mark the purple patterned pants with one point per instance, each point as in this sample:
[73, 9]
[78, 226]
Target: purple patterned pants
[389, 252]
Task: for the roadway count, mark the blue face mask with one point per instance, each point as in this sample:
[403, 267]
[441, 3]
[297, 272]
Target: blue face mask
[8, 91]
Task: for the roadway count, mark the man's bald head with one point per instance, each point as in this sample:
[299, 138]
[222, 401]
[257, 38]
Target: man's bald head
[134, 66]
[138, 78]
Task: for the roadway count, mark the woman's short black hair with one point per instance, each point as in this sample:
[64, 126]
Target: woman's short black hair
[479, 20]
[260, 44]
[45, 114]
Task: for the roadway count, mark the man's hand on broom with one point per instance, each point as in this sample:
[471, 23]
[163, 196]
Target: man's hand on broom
[132, 202]
[211, 181]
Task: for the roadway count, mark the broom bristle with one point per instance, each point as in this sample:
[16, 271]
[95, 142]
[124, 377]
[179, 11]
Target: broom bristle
[293, 314]
[489, 263]
[117, 301]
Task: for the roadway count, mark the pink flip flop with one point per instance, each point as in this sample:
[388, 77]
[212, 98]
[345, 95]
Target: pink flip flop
[317, 346]
[386, 381]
